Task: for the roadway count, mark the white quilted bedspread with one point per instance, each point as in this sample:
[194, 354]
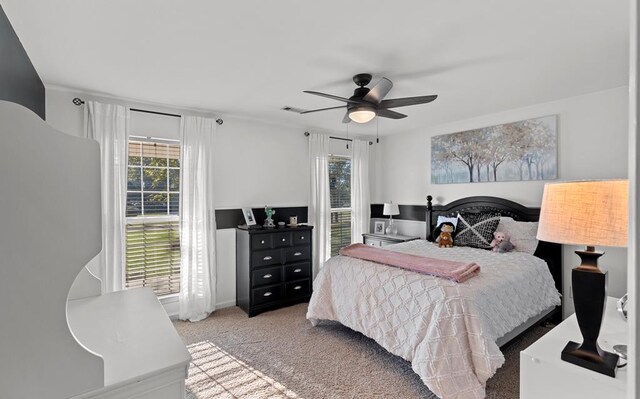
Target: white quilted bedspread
[447, 330]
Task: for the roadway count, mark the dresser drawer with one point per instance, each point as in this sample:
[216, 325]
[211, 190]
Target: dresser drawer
[261, 241]
[373, 242]
[302, 237]
[263, 295]
[295, 254]
[267, 276]
[297, 271]
[266, 258]
[298, 288]
[281, 240]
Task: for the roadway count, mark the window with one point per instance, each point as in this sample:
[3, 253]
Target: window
[340, 197]
[152, 232]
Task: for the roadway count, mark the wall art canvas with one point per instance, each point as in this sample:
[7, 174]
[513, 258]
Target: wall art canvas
[517, 151]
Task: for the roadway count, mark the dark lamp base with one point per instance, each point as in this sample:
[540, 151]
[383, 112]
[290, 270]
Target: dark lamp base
[603, 362]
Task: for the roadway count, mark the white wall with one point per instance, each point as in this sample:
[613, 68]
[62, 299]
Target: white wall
[592, 144]
[253, 160]
[256, 163]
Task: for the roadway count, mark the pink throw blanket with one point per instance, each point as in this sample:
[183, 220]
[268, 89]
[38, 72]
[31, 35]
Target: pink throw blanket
[451, 270]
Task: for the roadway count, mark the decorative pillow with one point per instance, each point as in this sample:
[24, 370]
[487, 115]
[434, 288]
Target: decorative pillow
[523, 234]
[476, 229]
[453, 220]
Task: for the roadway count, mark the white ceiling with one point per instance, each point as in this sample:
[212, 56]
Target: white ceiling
[251, 58]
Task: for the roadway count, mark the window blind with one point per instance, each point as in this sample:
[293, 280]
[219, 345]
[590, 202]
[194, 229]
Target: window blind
[153, 230]
[153, 256]
[340, 230]
[340, 198]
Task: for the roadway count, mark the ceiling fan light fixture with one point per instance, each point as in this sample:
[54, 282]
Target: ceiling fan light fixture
[362, 114]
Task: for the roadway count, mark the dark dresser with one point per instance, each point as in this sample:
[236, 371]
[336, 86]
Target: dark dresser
[273, 268]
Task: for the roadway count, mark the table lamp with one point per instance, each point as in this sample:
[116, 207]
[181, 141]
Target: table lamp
[391, 209]
[587, 213]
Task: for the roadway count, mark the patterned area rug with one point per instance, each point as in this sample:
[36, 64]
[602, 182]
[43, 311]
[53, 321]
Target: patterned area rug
[280, 355]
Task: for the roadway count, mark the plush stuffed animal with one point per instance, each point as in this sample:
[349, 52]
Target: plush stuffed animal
[501, 242]
[436, 232]
[505, 246]
[445, 239]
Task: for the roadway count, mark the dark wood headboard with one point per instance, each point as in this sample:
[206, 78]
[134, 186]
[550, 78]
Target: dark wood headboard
[547, 251]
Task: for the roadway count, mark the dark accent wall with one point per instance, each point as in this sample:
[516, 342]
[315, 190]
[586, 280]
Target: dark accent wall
[407, 212]
[19, 81]
[231, 218]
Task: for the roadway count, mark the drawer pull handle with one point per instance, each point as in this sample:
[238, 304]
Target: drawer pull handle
[267, 294]
[267, 258]
[297, 254]
[297, 287]
[267, 276]
[302, 237]
[297, 270]
[262, 242]
[284, 239]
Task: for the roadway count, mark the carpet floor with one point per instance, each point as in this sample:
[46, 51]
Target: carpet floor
[279, 354]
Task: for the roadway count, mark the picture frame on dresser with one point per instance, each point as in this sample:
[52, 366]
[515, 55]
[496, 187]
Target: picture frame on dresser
[249, 218]
[378, 227]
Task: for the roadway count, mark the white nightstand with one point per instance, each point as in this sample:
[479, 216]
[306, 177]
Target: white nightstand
[382, 240]
[544, 375]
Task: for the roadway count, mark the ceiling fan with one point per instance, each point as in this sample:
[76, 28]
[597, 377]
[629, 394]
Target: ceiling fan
[366, 103]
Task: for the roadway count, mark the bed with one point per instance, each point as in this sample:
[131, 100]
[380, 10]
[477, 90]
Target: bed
[450, 332]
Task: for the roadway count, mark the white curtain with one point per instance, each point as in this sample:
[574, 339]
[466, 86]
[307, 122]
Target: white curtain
[319, 205]
[197, 219]
[360, 201]
[107, 124]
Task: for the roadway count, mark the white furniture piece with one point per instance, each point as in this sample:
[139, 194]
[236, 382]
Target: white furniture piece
[382, 240]
[544, 375]
[59, 337]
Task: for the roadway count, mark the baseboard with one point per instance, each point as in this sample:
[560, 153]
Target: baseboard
[226, 304]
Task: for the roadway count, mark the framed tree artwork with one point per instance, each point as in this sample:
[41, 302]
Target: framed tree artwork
[516, 151]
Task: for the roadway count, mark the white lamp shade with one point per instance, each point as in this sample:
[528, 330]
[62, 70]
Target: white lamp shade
[586, 213]
[390, 209]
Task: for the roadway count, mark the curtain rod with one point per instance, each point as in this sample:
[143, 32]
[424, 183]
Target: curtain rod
[307, 134]
[77, 101]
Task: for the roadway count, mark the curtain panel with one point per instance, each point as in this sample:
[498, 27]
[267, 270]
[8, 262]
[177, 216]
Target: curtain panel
[360, 199]
[108, 124]
[198, 269]
[319, 203]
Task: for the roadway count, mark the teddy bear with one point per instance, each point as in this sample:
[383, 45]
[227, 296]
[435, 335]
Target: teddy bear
[445, 239]
[501, 242]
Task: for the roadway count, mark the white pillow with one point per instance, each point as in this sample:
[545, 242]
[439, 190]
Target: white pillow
[453, 220]
[523, 234]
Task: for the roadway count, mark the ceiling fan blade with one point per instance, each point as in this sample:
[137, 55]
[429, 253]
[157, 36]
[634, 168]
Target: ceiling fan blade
[386, 113]
[322, 109]
[379, 91]
[406, 101]
[346, 118]
[346, 100]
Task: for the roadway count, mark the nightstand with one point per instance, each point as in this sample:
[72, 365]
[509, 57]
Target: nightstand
[382, 240]
[544, 375]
